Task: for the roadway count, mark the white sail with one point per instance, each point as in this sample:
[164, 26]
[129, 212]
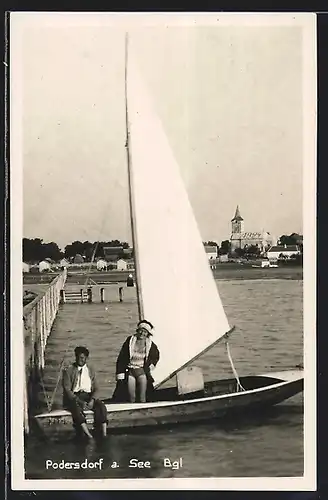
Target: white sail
[178, 292]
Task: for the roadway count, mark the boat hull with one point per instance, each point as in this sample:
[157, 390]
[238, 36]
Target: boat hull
[219, 400]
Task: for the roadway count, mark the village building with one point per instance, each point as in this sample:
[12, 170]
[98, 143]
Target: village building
[211, 251]
[44, 266]
[240, 238]
[112, 254]
[122, 265]
[26, 268]
[130, 264]
[101, 265]
[127, 252]
[78, 259]
[282, 251]
[64, 263]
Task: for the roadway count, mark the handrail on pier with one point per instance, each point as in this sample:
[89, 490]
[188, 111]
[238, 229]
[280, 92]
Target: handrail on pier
[38, 318]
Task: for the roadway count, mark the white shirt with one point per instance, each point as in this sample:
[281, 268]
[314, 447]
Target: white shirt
[83, 382]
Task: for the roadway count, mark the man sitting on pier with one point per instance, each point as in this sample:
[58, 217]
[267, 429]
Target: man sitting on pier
[79, 393]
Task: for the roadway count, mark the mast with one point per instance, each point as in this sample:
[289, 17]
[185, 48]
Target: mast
[130, 182]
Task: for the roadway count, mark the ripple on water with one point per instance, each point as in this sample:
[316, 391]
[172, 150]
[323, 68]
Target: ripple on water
[268, 336]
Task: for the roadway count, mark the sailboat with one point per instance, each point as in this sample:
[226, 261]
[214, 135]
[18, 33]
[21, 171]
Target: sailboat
[185, 307]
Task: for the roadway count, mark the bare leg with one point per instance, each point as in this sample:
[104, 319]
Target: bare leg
[104, 429]
[86, 431]
[142, 386]
[132, 388]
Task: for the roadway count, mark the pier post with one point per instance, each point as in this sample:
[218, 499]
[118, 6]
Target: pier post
[101, 294]
[129, 280]
[62, 296]
[89, 292]
[120, 293]
[81, 293]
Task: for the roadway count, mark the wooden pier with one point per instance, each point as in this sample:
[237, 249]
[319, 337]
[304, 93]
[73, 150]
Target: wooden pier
[38, 318]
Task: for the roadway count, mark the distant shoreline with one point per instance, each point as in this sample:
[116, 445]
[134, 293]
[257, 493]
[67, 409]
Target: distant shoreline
[222, 272]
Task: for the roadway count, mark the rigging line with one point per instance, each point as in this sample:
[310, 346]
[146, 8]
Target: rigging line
[74, 323]
[239, 386]
[130, 183]
[101, 230]
[93, 257]
[46, 397]
[77, 310]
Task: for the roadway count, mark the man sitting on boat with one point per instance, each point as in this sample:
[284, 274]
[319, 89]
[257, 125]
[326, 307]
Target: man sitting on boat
[79, 393]
[138, 357]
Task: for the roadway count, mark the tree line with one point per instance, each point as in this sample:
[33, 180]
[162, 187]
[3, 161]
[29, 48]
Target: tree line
[35, 249]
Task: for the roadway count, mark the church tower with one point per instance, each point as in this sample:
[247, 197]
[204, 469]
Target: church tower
[237, 223]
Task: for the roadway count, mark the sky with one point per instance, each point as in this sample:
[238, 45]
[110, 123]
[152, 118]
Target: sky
[230, 98]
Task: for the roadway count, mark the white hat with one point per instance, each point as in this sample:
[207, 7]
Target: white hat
[146, 326]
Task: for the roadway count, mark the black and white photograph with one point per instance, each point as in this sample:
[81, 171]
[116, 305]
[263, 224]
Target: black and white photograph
[163, 250]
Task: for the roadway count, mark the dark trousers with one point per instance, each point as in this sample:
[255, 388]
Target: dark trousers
[76, 408]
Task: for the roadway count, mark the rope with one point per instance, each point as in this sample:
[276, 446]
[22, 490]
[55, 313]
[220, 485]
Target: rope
[78, 309]
[46, 397]
[239, 386]
[74, 323]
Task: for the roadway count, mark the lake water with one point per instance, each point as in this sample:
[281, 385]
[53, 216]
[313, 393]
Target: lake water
[268, 336]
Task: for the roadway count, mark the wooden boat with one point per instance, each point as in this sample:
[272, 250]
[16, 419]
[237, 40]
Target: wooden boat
[183, 301]
[219, 399]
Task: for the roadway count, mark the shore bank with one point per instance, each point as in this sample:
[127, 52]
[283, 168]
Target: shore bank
[222, 272]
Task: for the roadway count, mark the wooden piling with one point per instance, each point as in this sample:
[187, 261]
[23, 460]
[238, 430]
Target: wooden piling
[89, 293]
[102, 294]
[120, 293]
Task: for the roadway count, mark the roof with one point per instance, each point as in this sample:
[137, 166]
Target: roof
[112, 250]
[298, 237]
[281, 248]
[237, 215]
[210, 249]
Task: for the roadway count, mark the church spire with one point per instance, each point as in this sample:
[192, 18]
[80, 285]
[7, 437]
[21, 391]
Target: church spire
[237, 216]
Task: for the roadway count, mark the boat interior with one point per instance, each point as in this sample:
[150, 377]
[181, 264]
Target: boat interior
[212, 388]
[215, 388]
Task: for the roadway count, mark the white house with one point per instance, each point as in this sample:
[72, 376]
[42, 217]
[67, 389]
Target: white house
[275, 252]
[101, 265]
[130, 264]
[122, 265]
[26, 268]
[211, 252]
[78, 259]
[44, 266]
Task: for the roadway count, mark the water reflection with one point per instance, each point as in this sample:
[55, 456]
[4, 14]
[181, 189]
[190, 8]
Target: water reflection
[224, 448]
